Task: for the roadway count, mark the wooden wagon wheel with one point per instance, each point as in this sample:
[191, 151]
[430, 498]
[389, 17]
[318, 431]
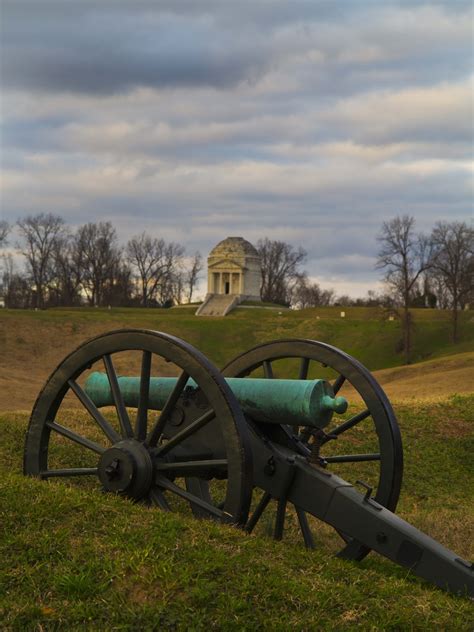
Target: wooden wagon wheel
[376, 411]
[143, 458]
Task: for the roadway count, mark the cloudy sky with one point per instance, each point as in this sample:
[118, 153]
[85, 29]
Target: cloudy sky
[310, 122]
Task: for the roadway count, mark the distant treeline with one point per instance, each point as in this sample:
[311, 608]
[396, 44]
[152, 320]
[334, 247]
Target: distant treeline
[89, 266]
[434, 270]
[420, 270]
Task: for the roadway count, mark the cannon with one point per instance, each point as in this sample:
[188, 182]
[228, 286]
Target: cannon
[288, 421]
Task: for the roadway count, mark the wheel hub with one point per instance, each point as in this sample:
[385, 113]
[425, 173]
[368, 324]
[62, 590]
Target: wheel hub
[126, 468]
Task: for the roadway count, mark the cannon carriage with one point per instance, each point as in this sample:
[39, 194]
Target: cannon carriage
[290, 421]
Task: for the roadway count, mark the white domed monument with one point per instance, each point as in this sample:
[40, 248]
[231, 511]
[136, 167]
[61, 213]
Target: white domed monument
[234, 275]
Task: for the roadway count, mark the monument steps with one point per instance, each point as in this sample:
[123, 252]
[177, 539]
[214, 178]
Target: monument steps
[218, 305]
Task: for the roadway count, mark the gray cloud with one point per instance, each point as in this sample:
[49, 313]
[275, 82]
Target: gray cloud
[303, 121]
[104, 50]
[100, 48]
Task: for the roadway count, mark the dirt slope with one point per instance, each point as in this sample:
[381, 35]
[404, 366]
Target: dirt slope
[433, 379]
[30, 350]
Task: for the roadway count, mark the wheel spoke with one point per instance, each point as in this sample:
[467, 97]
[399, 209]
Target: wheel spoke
[187, 468]
[338, 382]
[158, 499]
[304, 366]
[193, 427]
[142, 410]
[200, 487]
[305, 529]
[350, 423]
[92, 409]
[351, 458]
[65, 432]
[122, 414]
[73, 471]
[280, 519]
[268, 370]
[170, 403]
[259, 509]
[163, 482]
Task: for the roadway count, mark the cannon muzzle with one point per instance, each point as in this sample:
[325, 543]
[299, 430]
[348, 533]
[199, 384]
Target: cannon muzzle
[294, 402]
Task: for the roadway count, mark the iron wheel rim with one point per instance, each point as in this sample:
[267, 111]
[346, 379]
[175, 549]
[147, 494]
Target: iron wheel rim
[172, 349]
[372, 394]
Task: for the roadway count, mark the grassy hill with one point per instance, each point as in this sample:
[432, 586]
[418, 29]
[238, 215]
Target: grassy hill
[72, 558]
[34, 342]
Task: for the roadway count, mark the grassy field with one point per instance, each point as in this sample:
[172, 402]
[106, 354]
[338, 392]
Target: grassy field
[33, 343]
[73, 558]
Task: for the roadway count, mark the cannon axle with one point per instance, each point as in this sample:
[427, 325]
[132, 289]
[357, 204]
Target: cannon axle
[126, 468]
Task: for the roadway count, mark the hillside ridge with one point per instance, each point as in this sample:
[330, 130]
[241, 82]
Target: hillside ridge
[33, 343]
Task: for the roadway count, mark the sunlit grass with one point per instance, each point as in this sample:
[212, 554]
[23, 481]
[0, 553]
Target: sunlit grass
[74, 558]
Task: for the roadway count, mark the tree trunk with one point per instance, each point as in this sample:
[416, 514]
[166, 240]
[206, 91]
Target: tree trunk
[39, 296]
[455, 321]
[407, 334]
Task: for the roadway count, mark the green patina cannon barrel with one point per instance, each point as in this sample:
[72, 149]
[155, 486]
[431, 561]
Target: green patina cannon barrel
[294, 402]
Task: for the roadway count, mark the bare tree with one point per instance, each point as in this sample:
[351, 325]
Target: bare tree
[307, 294]
[373, 299]
[344, 300]
[39, 237]
[68, 270]
[172, 283]
[280, 269]
[192, 275]
[120, 290]
[439, 289]
[17, 290]
[405, 256]
[155, 263]
[176, 286]
[4, 259]
[4, 230]
[453, 262]
[146, 256]
[99, 253]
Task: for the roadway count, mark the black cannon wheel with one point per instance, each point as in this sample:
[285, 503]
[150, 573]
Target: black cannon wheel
[377, 408]
[136, 457]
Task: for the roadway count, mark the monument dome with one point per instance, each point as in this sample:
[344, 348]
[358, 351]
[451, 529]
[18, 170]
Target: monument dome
[237, 246]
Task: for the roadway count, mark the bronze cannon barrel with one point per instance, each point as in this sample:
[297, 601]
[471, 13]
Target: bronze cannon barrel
[293, 402]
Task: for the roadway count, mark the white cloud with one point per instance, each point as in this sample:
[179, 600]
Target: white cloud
[440, 112]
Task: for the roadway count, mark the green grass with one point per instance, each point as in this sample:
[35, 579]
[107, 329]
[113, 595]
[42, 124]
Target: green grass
[364, 332]
[72, 558]
[262, 304]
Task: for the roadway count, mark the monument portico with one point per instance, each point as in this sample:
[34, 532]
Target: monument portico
[226, 281]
